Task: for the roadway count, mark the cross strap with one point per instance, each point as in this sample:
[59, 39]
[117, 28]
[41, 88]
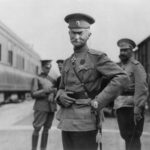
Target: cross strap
[77, 75]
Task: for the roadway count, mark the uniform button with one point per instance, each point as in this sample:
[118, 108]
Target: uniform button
[86, 94]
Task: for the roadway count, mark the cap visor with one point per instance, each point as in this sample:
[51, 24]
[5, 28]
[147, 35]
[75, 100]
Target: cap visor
[77, 29]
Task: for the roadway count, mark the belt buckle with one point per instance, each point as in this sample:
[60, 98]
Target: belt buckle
[86, 94]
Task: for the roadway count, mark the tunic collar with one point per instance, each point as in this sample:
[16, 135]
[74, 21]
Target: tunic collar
[81, 49]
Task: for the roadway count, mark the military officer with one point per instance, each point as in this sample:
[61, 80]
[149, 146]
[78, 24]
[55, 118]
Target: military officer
[60, 66]
[43, 91]
[130, 104]
[81, 85]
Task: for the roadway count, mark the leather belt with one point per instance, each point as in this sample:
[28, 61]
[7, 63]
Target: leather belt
[83, 95]
[127, 93]
[78, 95]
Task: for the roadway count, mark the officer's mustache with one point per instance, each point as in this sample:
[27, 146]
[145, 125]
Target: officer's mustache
[74, 40]
[122, 56]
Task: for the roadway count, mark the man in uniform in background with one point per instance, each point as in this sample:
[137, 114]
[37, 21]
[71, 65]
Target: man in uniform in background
[60, 66]
[81, 84]
[43, 91]
[130, 104]
[148, 99]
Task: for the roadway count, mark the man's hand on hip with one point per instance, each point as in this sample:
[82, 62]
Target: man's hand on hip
[65, 99]
[137, 117]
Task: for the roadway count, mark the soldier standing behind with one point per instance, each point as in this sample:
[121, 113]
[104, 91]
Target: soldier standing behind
[60, 66]
[81, 84]
[43, 91]
[130, 104]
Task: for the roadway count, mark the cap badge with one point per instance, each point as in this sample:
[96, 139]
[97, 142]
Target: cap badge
[78, 23]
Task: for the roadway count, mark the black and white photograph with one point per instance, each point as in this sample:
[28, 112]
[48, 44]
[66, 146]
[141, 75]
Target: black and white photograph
[74, 74]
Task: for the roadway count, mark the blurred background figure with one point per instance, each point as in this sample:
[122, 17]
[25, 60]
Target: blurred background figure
[131, 103]
[43, 92]
[60, 66]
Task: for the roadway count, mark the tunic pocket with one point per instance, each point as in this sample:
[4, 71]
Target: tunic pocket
[88, 72]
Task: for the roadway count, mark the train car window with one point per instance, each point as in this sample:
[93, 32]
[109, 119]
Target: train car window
[20, 62]
[10, 57]
[17, 61]
[136, 55]
[0, 51]
[23, 63]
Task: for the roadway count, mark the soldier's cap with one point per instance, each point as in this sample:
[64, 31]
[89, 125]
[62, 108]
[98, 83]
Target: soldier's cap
[126, 43]
[60, 61]
[79, 21]
[46, 62]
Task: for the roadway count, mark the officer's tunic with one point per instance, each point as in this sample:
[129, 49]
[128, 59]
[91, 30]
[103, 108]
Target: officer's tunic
[43, 108]
[91, 65]
[135, 95]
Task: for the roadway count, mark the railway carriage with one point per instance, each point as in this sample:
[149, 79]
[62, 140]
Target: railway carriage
[19, 63]
[142, 54]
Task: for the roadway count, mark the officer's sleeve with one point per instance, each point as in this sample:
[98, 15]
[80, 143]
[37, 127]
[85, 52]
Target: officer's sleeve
[54, 85]
[62, 80]
[60, 88]
[34, 86]
[53, 81]
[35, 91]
[118, 80]
[141, 88]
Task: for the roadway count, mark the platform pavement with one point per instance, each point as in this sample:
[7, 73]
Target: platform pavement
[16, 130]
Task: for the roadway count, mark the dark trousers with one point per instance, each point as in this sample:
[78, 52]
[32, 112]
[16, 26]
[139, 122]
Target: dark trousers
[130, 132]
[41, 119]
[85, 140]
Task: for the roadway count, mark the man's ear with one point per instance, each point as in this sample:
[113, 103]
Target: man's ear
[90, 34]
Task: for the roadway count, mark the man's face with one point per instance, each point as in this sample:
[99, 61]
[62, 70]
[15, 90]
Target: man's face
[46, 69]
[125, 54]
[79, 37]
[60, 66]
